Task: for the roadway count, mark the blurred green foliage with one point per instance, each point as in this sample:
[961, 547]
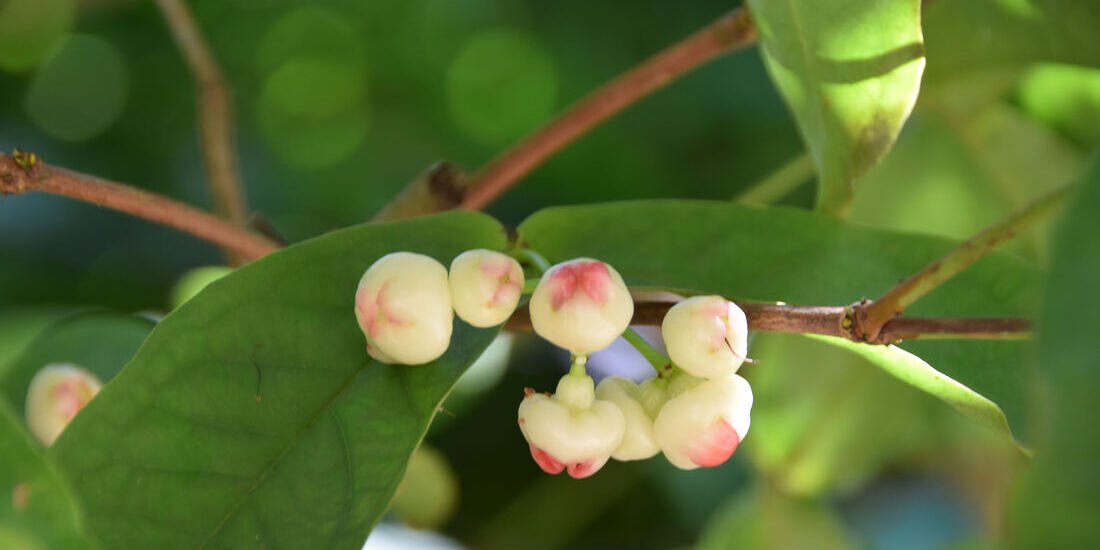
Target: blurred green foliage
[340, 102]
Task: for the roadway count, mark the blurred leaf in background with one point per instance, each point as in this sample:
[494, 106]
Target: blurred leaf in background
[1057, 504]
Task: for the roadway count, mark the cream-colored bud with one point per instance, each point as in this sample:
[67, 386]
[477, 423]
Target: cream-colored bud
[485, 287]
[577, 434]
[703, 425]
[403, 305]
[639, 441]
[707, 336]
[56, 393]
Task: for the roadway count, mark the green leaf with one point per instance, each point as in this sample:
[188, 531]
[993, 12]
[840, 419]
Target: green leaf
[252, 415]
[914, 371]
[766, 518]
[1059, 501]
[18, 327]
[788, 255]
[977, 37]
[36, 510]
[850, 71]
[811, 432]
[101, 342]
[990, 162]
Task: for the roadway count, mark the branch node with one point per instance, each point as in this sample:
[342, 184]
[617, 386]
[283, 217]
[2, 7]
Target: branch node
[859, 326]
[441, 187]
[734, 27]
[31, 164]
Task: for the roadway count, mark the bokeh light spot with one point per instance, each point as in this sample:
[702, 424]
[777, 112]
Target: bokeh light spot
[500, 85]
[313, 111]
[29, 29]
[310, 32]
[80, 89]
[1066, 97]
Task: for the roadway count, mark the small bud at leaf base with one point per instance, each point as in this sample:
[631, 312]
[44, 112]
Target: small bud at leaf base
[56, 393]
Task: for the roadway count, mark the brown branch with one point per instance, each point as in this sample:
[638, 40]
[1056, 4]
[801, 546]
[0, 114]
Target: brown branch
[23, 172]
[215, 112]
[871, 317]
[831, 321]
[439, 188]
[730, 32]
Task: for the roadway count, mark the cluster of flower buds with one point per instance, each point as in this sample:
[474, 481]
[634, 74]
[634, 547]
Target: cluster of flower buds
[406, 302]
[696, 415]
[695, 412]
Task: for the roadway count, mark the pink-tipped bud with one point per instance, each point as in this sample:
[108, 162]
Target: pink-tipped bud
[403, 305]
[703, 425]
[707, 336]
[571, 430]
[56, 393]
[485, 287]
[581, 305]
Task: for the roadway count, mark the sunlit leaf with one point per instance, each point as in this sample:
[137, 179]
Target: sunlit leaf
[850, 71]
[914, 371]
[990, 35]
[252, 415]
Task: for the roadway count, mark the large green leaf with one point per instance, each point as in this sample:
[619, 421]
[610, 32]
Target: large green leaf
[252, 415]
[850, 71]
[975, 37]
[781, 254]
[101, 342]
[36, 510]
[1060, 499]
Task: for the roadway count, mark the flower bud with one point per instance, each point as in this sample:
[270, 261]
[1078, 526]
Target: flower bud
[703, 425]
[581, 305]
[571, 430]
[56, 393]
[707, 336]
[639, 404]
[403, 305]
[485, 287]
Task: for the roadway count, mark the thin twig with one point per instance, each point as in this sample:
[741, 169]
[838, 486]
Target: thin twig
[830, 321]
[215, 112]
[23, 172]
[870, 317]
[730, 32]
